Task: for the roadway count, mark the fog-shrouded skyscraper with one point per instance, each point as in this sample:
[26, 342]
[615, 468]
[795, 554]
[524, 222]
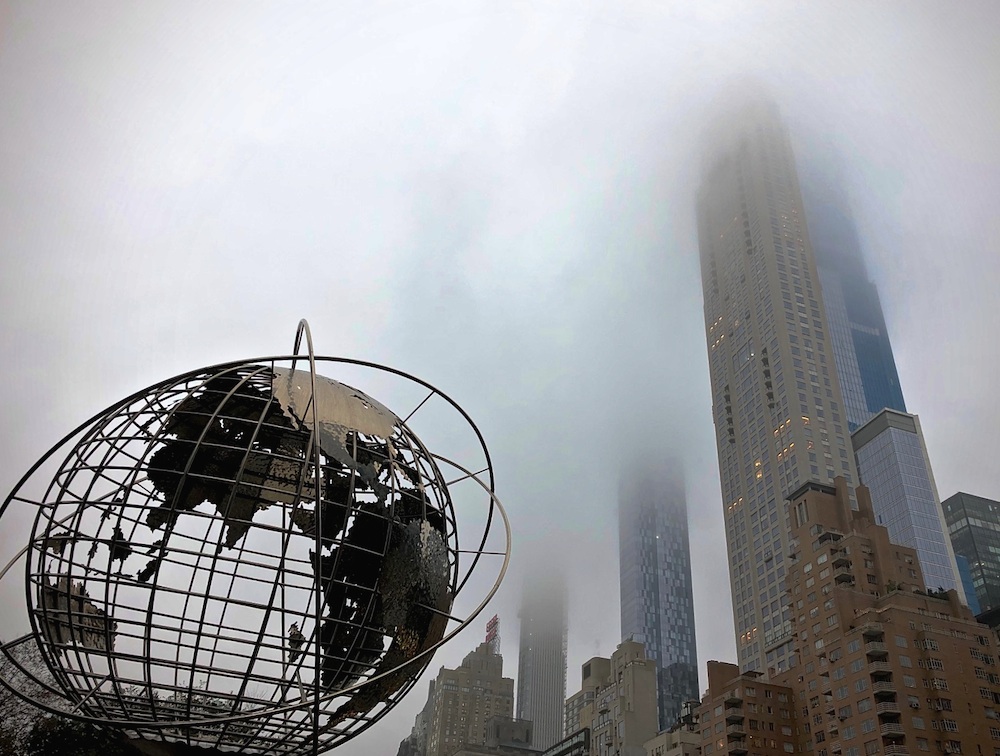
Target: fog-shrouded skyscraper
[779, 415]
[657, 605]
[862, 352]
[541, 663]
[888, 444]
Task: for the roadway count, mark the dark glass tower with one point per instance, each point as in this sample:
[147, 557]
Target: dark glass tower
[657, 605]
[861, 349]
[974, 527]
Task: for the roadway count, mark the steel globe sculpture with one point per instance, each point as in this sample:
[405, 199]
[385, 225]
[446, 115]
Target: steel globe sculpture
[248, 558]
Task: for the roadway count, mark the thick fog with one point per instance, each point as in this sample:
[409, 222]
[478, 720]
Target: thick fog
[497, 197]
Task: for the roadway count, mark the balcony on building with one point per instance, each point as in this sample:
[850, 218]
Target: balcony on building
[840, 558]
[843, 575]
[883, 688]
[734, 714]
[888, 711]
[732, 698]
[876, 650]
[891, 730]
[877, 668]
[895, 750]
[873, 631]
[735, 731]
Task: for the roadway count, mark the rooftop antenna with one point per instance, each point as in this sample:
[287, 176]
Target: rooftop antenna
[493, 634]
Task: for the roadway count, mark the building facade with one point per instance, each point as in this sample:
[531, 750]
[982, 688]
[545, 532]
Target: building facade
[616, 702]
[574, 744]
[683, 738]
[862, 352]
[541, 663]
[893, 463]
[974, 530]
[779, 416]
[463, 701]
[743, 713]
[504, 737]
[882, 666]
[594, 675]
[415, 744]
[657, 604]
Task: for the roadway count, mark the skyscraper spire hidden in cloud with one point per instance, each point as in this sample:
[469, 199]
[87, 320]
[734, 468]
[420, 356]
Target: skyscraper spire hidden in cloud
[657, 604]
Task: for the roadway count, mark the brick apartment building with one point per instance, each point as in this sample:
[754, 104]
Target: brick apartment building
[744, 714]
[881, 666]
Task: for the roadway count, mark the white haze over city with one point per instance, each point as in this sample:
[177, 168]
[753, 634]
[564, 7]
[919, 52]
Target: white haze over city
[497, 197]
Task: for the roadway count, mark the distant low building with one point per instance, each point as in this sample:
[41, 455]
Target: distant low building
[682, 739]
[744, 713]
[574, 744]
[594, 676]
[416, 743]
[460, 706]
[616, 702]
[504, 737]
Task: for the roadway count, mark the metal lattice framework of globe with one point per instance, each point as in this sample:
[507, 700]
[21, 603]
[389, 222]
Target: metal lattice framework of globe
[251, 558]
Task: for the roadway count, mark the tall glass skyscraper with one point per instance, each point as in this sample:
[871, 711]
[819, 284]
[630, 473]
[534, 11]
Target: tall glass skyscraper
[657, 604]
[861, 348]
[799, 358]
[893, 463]
[890, 452]
[541, 662]
[780, 419]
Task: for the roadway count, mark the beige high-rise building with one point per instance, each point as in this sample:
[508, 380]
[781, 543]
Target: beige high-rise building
[465, 699]
[777, 407]
[595, 674]
[616, 702]
[884, 667]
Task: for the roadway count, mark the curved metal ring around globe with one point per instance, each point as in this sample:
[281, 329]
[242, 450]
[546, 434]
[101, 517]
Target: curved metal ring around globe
[317, 698]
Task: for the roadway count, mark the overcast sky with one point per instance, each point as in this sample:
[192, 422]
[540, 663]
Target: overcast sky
[496, 196]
